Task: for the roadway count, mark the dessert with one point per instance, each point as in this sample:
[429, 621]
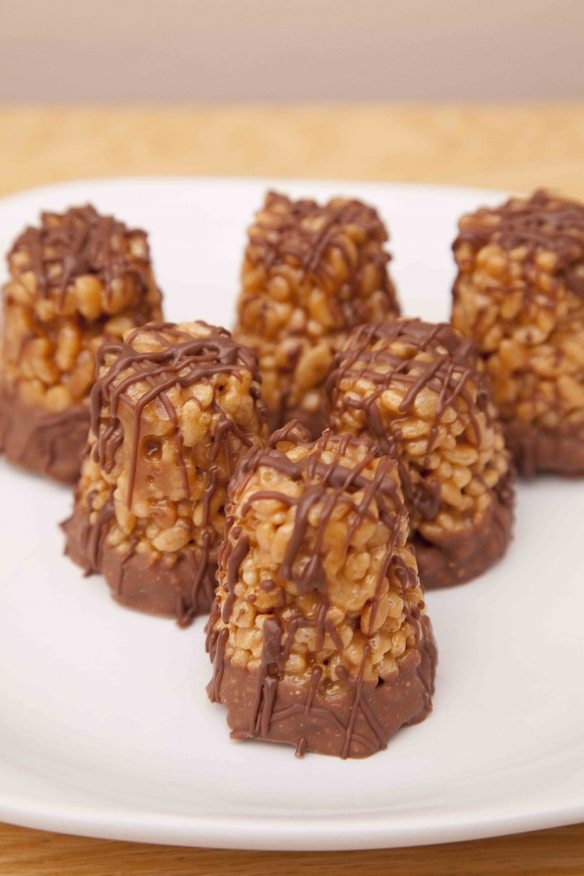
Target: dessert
[76, 279]
[415, 388]
[318, 632]
[310, 274]
[519, 295]
[172, 409]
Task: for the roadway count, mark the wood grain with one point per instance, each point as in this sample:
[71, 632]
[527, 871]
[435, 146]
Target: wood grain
[557, 852]
[509, 147]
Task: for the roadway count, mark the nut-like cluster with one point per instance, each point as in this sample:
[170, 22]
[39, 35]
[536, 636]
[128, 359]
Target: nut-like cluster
[310, 274]
[317, 540]
[414, 387]
[172, 410]
[519, 295]
[77, 278]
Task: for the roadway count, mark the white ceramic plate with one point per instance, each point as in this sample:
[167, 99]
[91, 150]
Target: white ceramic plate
[105, 728]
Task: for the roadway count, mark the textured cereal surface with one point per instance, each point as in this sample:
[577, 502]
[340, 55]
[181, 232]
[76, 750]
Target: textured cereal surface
[76, 278]
[415, 388]
[317, 540]
[310, 274]
[173, 409]
[519, 295]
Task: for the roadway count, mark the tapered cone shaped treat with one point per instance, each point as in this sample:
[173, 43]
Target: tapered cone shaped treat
[172, 410]
[76, 279]
[318, 632]
[310, 274]
[519, 295]
[416, 389]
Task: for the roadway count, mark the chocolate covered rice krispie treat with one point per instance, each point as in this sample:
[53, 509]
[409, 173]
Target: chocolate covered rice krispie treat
[519, 295]
[415, 388]
[76, 279]
[173, 408]
[310, 274]
[318, 633]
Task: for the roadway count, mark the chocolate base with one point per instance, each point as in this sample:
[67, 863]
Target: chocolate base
[173, 586]
[557, 451]
[356, 722]
[314, 421]
[44, 443]
[466, 555]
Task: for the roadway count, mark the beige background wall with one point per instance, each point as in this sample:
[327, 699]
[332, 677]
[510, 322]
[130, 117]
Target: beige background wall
[290, 49]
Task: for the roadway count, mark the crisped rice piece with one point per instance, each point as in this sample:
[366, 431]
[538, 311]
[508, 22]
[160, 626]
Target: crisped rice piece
[310, 274]
[415, 388]
[75, 280]
[318, 633]
[519, 295]
[173, 408]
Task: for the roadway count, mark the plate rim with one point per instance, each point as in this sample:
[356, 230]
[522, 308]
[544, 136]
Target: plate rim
[281, 833]
[278, 832]
[267, 181]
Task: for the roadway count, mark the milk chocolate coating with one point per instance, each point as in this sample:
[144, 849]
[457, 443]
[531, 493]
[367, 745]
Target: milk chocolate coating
[313, 421]
[178, 583]
[458, 556]
[77, 244]
[356, 723]
[549, 224]
[43, 443]
[179, 587]
[535, 449]
[358, 719]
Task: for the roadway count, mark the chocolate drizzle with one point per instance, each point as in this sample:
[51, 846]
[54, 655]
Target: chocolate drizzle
[530, 348]
[299, 233]
[137, 373]
[405, 358]
[182, 361]
[118, 289]
[325, 485]
[77, 243]
[331, 263]
[302, 231]
[543, 222]
[376, 353]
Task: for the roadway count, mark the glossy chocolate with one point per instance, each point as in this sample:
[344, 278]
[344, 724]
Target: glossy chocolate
[79, 242]
[450, 363]
[178, 583]
[543, 226]
[542, 222]
[50, 313]
[40, 442]
[328, 265]
[267, 704]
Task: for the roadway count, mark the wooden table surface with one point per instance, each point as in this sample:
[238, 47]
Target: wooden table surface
[509, 147]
